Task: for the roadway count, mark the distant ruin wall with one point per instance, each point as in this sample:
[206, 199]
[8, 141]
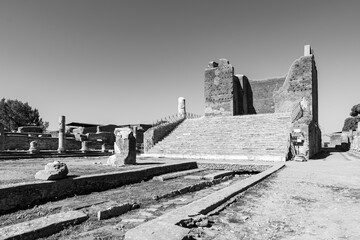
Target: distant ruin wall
[263, 94]
[298, 85]
[14, 142]
[301, 89]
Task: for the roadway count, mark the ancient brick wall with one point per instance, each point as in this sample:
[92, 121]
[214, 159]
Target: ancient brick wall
[301, 87]
[298, 85]
[221, 89]
[263, 94]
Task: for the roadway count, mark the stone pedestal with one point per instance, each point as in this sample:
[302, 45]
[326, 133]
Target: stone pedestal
[125, 148]
[84, 146]
[103, 148]
[61, 148]
[34, 148]
[181, 107]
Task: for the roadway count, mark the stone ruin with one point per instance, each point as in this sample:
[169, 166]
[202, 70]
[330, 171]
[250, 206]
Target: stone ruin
[53, 171]
[124, 147]
[229, 94]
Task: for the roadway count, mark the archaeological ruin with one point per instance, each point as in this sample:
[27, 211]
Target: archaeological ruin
[271, 119]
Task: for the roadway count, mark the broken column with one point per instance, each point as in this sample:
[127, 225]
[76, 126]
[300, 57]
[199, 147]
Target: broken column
[2, 138]
[34, 148]
[103, 147]
[61, 148]
[84, 146]
[124, 146]
[181, 107]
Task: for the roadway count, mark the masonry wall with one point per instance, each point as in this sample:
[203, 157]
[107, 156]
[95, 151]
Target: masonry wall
[14, 142]
[263, 94]
[300, 88]
[221, 89]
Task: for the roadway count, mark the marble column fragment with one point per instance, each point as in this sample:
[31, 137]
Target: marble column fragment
[181, 107]
[61, 148]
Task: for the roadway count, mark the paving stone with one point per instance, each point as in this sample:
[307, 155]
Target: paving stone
[164, 227]
[42, 227]
[219, 174]
[176, 174]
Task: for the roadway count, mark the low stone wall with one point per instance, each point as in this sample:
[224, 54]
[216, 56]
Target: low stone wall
[22, 142]
[24, 195]
[155, 134]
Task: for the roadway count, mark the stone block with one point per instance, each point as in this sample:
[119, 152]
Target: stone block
[219, 89]
[114, 211]
[53, 171]
[219, 174]
[42, 227]
[33, 129]
[34, 148]
[124, 147]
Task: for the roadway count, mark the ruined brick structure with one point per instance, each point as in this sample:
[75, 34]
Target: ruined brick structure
[227, 94]
[245, 119]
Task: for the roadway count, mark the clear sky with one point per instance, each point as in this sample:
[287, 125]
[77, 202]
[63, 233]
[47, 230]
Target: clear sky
[119, 62]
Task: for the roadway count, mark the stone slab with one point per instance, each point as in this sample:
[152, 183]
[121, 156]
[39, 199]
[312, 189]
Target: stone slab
[23, 195]
[194, 177]
[83, 204]
[42, 227]
[164, 227]
[114, 211]
[219, 174]
[168, 176]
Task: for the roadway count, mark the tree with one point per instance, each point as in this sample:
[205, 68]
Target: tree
[14, 114]
[355, 110]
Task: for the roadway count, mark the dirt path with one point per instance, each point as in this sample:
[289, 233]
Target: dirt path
[319, 199]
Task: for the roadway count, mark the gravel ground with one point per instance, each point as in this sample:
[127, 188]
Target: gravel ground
[318, 199]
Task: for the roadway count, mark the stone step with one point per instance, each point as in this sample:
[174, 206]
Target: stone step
[264, 134]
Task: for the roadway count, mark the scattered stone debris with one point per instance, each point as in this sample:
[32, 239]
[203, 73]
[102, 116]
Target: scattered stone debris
[198, 221]
[53, 171]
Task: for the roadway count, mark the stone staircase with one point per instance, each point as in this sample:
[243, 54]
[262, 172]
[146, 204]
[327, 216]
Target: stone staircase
[248, 137]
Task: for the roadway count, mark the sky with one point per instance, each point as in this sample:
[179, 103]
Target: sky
[122, 62]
